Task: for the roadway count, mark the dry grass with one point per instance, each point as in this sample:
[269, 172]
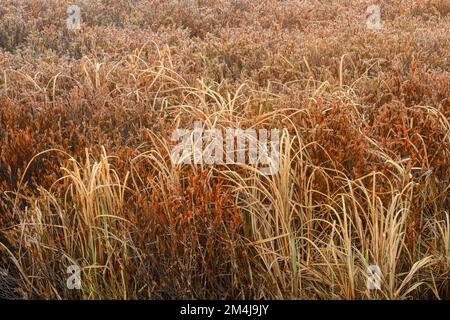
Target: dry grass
[85, 171]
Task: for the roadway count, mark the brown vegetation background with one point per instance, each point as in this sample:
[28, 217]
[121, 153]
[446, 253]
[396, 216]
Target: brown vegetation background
[86, 178]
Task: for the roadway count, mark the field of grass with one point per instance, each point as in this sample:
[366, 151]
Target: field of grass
[86, 177]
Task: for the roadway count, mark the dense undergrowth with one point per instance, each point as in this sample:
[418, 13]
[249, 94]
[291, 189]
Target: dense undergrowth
[86, 118]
